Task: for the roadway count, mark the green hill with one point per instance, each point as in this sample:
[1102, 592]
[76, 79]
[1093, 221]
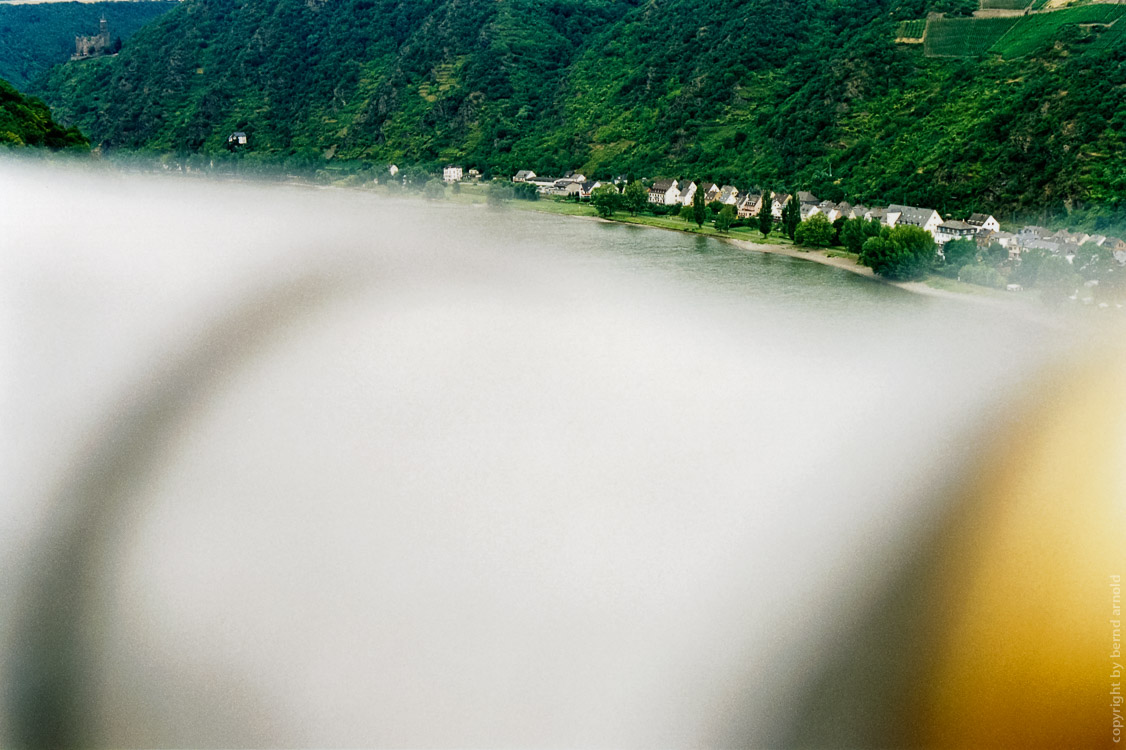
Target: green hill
[34, 37]
[799, 93]
[26, 121]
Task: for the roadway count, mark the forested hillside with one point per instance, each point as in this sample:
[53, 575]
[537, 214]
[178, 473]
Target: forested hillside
[779, 93]
[26, 121]
[36, 36]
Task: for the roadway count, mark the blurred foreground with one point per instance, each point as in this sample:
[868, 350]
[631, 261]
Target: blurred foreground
[290, 467]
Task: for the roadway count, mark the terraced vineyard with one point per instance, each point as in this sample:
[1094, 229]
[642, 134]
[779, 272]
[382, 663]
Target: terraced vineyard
[965, 37]
[911, 29]
[1005, 4]
[1017, 36]
[1040, 29]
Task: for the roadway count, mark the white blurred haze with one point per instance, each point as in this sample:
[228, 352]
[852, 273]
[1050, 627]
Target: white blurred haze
[325, 468]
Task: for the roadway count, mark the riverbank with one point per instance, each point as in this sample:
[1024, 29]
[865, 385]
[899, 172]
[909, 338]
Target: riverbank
[1021, 304]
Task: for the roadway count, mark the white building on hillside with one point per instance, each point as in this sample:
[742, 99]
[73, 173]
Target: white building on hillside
[664, 192]
[984, 221]
[452, 174]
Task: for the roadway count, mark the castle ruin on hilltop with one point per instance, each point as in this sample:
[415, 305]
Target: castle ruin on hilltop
[92, 46]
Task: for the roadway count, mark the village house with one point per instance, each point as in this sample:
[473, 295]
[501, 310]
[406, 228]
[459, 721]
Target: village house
[778, 205]
[728, 195]
[664, 192]
[565, 187]
[954, 230]
[711, 192]
[926, 219]
[1007, 240]
[474, 175]
[749, 206]
[1035, 243]
[687, 194]
[237, 138]
[452, 173]
[809, 209]
[984, 222]
[524, 175]
[590, 186]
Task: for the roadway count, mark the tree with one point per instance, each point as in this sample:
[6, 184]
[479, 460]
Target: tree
[816, 230]
[765, 217]
[959, 253]
[500, 191]
[900, 254]
[854, 232]
[434, 190]
[698, 208]
[687, 213]
[982, 275]
[524, 191]
[635, 197]
[605, 199]
[837, 224]
[791, 217]
[726, 216]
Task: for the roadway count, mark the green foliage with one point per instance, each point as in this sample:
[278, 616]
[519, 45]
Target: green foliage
[815, 231]
[605, 199]
[525, 191]
[499, 191]
[26, 121]
[688, 213]
[34, 37]
[901, 254]
[791, 217]
[765, 218]
[982, 275]
[958, 253]
[855, 232]
[724, 219]
[434, 189]
[635, 197]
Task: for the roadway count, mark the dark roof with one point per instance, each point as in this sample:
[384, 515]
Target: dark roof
[978, 219]
[912, 214]
[662, 185]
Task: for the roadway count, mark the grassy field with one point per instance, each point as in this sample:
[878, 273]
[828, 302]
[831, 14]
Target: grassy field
[965, 37]
[1039, 30]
